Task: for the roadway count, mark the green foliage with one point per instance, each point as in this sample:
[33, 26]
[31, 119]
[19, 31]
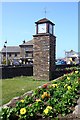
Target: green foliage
[51, 100]
[4, 62]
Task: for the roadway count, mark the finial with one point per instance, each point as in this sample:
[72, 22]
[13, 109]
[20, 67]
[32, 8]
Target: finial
[23, 41]
[6, 41]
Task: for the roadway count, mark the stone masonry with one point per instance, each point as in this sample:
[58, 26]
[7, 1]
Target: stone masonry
[43, 56]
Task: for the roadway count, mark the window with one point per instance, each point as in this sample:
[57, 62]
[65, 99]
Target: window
[4, 55]
[9, 54]
[15, 54]
[29, 55]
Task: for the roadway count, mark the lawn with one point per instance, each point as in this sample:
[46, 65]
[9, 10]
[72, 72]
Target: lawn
[18, 86]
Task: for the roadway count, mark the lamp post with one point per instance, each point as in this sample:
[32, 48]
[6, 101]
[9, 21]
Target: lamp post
[24, 51]
[6, 51]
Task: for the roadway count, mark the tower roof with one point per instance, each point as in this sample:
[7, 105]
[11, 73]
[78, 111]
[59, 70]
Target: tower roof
[44, 20]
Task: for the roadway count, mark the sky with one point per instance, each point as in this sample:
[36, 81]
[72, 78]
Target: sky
[18, 23]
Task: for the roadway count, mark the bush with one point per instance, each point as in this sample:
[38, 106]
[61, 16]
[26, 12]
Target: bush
[4, 62]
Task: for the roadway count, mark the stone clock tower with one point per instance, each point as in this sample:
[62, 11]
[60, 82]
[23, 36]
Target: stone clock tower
[44, 44]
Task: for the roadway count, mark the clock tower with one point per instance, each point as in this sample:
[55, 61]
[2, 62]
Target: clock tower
[44, 48]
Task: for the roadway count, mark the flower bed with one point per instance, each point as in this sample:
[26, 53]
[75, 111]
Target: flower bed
[52, 100]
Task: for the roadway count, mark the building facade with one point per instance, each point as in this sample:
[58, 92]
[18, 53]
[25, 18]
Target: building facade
[11, 52]
[23, 52]
[26, 52]
[72, 57]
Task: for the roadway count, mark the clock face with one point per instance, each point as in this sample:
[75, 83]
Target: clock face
[42, 28]
[50, 28]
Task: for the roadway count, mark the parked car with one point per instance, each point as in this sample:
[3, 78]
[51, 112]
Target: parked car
[61, 62]
[15, 62]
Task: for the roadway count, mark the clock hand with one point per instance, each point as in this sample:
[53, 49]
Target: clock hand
[43, 28]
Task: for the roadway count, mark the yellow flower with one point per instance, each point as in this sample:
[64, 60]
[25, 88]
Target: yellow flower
[68, 78]
[54, 85]
[22, 101]
[64, 74]
[49, 107]
[42, 96]
[48, 95]
[76, 72]
[76, 81]
[38, 100]
[45, 94]
[46, 111]
[65, 85]
[22, 111]
[69, 87]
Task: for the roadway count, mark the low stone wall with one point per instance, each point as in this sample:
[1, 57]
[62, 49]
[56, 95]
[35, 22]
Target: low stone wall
[11, 71]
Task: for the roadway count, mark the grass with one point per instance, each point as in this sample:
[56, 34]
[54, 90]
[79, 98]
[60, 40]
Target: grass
[17, 86]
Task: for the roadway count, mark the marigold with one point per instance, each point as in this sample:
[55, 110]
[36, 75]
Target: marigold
[48, 95]
[45, 94]
[22, 111]
[42, 96]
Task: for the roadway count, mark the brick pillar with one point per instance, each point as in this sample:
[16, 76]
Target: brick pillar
[43, 56]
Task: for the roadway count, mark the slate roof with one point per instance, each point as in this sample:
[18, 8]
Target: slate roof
[11, 49]
[44, 20]
[30, 42]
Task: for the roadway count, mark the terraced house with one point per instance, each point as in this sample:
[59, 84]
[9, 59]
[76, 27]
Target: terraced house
[12, 52]
[23, 52]
[26, 52]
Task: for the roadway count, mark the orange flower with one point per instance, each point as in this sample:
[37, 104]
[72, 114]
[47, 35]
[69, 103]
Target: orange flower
[44, 86]
[42, 96]
[45, 94]
[48, 95]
